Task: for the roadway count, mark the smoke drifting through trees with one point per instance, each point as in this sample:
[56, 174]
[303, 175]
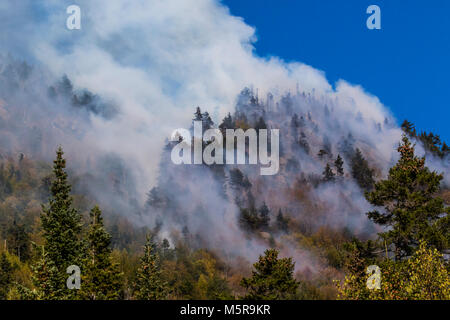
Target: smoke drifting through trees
[113, 131]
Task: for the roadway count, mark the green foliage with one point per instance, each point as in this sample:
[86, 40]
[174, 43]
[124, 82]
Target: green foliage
[430, 141]
[361, 171]
[18, 241]
[102, 279]
[149, 283]
[251, 219]
[422, 277]
[62, 227]
[272, 278]
[409, 128]
[411, 208]
[195, 273]
[6, 276]
[339, 164]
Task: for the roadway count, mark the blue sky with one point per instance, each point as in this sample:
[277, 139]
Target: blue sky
[406, 63]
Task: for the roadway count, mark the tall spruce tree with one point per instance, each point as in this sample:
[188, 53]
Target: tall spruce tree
[411, 208]
[102, 277]
[61, 225]
[361, 171]
[339, 164]
[272, 278]
[149, 283]
[408, 127]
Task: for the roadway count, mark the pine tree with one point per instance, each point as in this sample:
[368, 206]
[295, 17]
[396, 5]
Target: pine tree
[264, 217]
[361, 171]
[149, 283]
[431, 142]
[408, 128]
[272, 278]
[328, 174]
[411, 209]
[61, 225]
[282, 222]
[339, 163]
[102, 278]
[198, 115]
[249, 219]
[6, 276]
[207, 121]
[227, 123]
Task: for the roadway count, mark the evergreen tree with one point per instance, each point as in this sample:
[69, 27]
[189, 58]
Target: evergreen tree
[264, 217]
[227, 123]
[61, 225]
[249, 219]
[282, 222]
[303, 142]
[339, 163]
[328, 174]
[102, 277]
[6, 276]
[207, 121]
[149, 283]
[261, 124]
[445, 149]
[361, 171]
[272, 278]
[431, 142]
[408, 128]
[198, 115]
[411, 209]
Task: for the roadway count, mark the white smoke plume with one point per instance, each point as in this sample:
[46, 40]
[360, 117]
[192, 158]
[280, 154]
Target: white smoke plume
[154, 61]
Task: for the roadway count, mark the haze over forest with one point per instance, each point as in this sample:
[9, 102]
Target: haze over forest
[112, 94]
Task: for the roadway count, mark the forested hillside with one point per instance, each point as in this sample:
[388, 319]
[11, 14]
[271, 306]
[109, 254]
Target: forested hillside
[353, 190]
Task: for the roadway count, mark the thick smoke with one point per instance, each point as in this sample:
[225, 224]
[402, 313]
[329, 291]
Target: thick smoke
[136, 70]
